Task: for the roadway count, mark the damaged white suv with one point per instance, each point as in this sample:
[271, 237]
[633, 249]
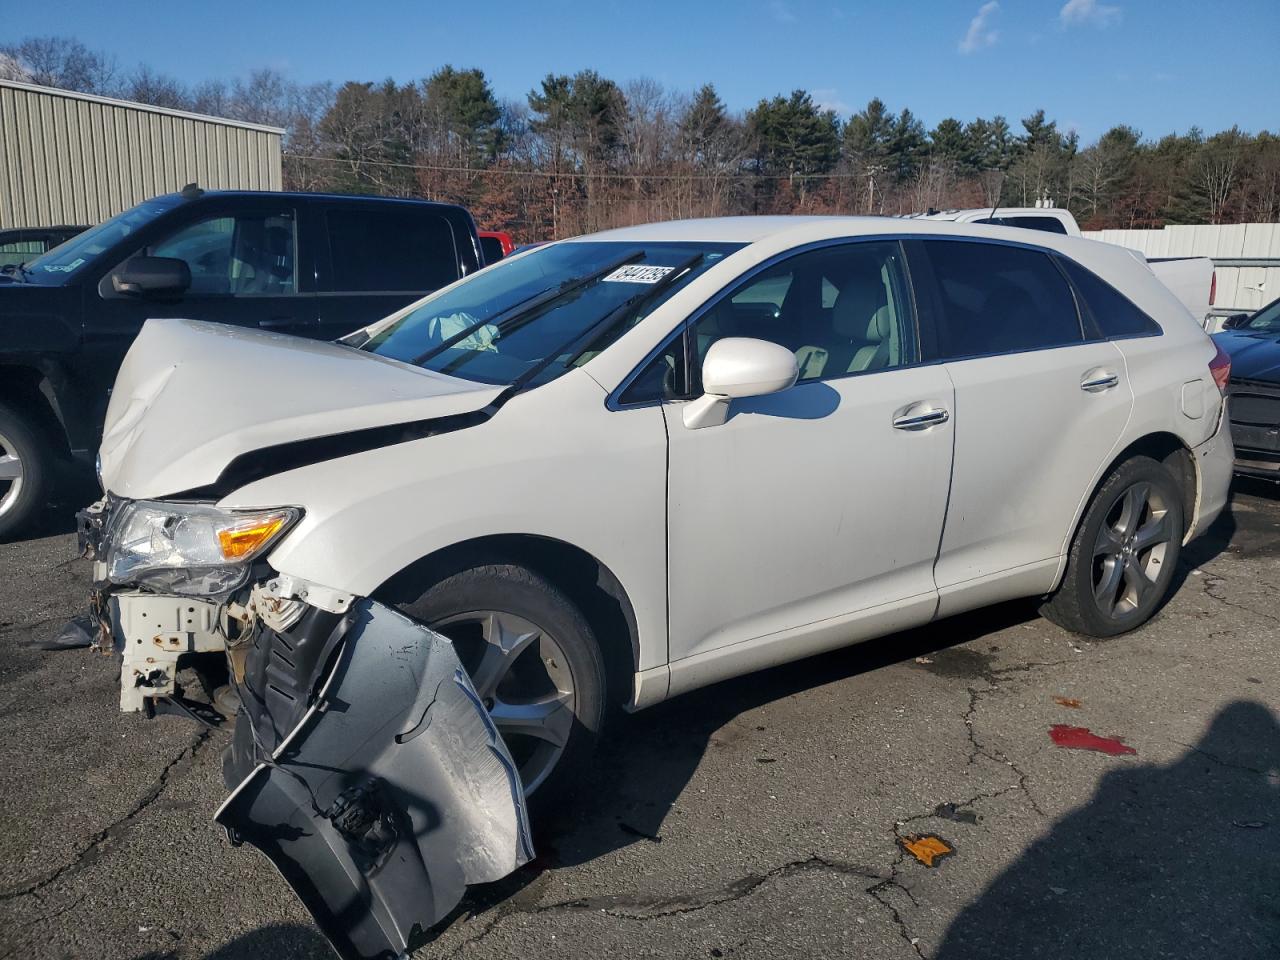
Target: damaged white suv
[612, 470]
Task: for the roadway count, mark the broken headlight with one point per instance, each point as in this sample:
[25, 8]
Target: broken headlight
[190, 548]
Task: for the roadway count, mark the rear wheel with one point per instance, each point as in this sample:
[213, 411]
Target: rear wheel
[535, 663]
[1124, 554]
[26, 472]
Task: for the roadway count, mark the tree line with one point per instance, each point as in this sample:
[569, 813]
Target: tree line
[583, 152]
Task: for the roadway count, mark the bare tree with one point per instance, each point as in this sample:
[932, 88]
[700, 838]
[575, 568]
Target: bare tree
[158, 89]
[1215, 170]
[61, 62]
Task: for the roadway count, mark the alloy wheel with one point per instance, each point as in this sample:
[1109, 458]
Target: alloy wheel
[11, 474]
[523, 677]
[1129, 551]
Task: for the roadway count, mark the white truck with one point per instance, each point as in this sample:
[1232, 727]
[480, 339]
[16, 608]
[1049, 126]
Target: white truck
[1191, 279]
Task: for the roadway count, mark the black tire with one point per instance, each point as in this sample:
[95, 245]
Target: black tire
[30, 446]
[1118, 577]
[518, 594]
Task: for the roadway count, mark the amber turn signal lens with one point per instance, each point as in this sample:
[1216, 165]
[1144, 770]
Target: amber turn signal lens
[247, 537]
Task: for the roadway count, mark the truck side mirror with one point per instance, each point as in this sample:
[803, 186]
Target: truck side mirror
[151, 276]
[1237, 321]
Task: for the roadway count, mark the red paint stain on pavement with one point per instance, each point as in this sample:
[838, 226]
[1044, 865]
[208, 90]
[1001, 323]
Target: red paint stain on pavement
[1081, 738]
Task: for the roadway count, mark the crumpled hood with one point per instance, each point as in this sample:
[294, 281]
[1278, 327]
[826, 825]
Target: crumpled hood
[192, 396]
[1254, 355]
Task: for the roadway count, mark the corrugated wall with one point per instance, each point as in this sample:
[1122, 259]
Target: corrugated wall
[71, 158]
[1247, 257]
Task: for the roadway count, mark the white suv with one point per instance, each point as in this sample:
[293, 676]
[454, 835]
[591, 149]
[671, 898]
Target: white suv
[612, 470]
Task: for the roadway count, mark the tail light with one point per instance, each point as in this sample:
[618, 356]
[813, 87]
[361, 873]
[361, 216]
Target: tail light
[1220, 368]
[1213, 287]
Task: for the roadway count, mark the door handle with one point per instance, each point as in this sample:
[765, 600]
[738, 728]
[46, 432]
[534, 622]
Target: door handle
[919, 417]
[1098, 379]
[275, 323]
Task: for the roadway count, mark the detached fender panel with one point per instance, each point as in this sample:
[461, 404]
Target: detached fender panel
[390, 794]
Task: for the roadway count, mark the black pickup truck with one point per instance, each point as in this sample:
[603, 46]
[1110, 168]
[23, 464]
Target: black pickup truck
[312, 265]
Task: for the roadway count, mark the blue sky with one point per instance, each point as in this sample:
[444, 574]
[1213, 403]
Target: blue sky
[1160, 65]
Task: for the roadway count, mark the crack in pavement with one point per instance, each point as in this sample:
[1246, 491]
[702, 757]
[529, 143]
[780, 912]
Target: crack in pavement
[630, 908]
[88, 855]
[44, 918]
[898, 920]
[978, 749]
[1266, 774]
[1213, 581]
[624, 907]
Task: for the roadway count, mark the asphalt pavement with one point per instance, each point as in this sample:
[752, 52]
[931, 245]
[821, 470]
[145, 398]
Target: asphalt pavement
[990, 786]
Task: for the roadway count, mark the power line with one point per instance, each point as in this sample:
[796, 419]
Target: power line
[552, 175]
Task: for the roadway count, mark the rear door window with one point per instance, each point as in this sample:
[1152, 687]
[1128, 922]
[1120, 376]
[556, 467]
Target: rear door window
[1047, 224]
[20, 251]
[388, 251]
[997, 298]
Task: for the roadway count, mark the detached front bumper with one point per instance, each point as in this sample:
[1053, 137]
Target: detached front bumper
[363, 764]
[386, 791]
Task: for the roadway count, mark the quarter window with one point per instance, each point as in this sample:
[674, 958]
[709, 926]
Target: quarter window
[1113, 313]
[236, 256]
[391, 250]
[997, 298]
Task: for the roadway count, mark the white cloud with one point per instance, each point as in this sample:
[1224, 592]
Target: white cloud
[781, 12]
[1077, 12]
[828, 98]
[980, 34]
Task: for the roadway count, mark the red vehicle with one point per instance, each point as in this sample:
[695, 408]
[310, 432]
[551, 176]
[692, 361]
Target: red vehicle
[495, 244]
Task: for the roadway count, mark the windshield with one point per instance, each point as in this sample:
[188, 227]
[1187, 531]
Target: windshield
[1266, 320]
[532, 318]
[67, 258]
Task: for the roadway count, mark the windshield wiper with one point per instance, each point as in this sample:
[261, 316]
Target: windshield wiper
[606, 323]
[529, 305]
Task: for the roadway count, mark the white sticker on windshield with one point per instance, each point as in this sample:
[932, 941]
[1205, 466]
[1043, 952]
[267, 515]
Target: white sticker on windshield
[637, 273]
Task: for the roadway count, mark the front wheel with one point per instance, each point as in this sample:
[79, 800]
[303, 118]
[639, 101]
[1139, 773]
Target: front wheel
[26, 472]
[1124, 554]
[534, 661]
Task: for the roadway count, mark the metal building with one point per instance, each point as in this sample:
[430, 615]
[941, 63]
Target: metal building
[1246, 257]
[73, 158]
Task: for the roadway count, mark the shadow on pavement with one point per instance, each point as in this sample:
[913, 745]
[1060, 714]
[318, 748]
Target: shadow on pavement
[1257, 487]
[284, 941]
[1164, 861]
[1166, 838]
[649, 757]
[76, 487]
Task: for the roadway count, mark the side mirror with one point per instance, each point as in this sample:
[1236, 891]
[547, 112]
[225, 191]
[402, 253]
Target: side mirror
[1237, 321]
[151, 276]
[737, 367]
